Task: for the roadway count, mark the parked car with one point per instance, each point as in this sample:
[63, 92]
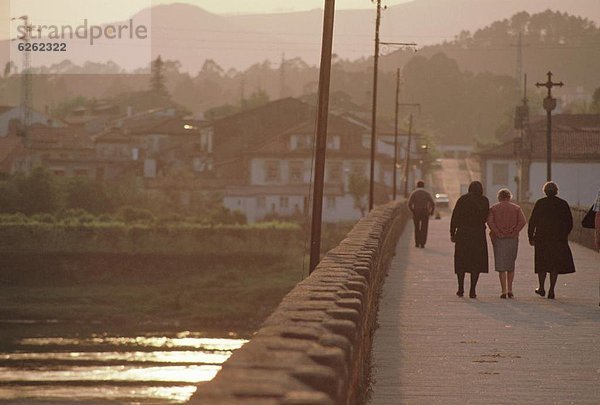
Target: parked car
[441, 200]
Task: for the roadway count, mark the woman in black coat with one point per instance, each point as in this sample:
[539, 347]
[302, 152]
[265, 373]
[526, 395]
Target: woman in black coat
[549, 227]
[467, 231]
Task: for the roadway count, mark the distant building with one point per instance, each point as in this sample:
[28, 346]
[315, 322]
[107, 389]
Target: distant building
[456, 151]
[520, 164]
[265, 156]
[15, 113]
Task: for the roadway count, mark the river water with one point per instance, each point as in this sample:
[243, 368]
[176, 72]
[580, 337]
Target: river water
[128, 369]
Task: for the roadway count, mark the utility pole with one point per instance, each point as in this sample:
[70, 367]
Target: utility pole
[523, 144]
[374, 104]
[396, 134]
[549, 106]
[519, 72]
[406, 167]
[410, 124]
[26, 87]
[321, 129]
[374, 107]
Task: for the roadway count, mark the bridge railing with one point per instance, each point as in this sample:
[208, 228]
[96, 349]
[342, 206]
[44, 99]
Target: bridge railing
[315, 348]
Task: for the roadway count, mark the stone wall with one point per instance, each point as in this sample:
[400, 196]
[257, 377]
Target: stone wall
[315, 348]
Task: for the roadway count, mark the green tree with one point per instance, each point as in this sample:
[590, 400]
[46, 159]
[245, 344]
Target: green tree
[9, 197]
[88, 195]
[595, 106]
[38, 192]
[157, 77]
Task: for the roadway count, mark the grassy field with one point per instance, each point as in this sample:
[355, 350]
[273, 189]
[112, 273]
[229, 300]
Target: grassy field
[148, 292]
[101, 278]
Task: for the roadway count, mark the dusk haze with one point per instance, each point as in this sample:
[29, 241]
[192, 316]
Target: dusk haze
[317, 202]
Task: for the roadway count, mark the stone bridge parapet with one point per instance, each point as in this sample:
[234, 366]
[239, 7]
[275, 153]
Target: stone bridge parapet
[315, 348]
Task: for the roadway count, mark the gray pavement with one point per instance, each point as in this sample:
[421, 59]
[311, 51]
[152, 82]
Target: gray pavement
[432, 347]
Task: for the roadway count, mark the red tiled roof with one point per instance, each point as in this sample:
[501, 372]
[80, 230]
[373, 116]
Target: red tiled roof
[171, 126]
[574, 136]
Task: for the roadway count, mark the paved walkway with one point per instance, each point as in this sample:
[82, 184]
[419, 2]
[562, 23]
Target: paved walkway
[433, 347]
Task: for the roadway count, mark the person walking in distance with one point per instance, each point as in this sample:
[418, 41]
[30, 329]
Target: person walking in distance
[467, 231]
[549, 227]
[505, 221]
[422, 206]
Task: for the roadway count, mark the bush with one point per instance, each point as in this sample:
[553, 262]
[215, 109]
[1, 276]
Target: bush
[17, 218]
[43, 218]
[135, 215]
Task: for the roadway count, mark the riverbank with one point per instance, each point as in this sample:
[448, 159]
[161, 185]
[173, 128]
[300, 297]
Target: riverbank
[104, 292]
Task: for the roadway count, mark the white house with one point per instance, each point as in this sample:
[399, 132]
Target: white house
[265, 156]
[520, 164]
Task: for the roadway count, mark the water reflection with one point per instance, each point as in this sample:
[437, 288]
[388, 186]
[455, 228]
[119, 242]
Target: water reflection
[127, 369]
[190, 374]
[141, 341]
[105, 392]
[142, 357]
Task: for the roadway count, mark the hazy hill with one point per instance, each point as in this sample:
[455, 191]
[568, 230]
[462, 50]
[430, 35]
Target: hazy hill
[191, 35]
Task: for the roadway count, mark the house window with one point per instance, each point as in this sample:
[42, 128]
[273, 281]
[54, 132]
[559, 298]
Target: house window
[272, 170]
[296, 172]
[500, 174]
[261, 202]
[284, 202]
[334, 173]
[301, 142]
[330, 202]
[333, 142]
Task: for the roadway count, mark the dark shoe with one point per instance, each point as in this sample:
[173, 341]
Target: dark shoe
[551, 295]
[539, 292]
[472, 295]
[510, 295]
[460, 293]
[422, 246]
[503, 296]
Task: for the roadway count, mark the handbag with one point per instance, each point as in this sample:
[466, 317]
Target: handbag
[589, 220]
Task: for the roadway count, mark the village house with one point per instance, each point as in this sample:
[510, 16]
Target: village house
[16, 113]
[520, 164]
[265, 155]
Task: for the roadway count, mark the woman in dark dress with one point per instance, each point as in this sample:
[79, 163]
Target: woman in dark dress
[467, 231]
[549, 227]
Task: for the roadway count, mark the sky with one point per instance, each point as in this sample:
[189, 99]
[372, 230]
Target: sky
[275, 6]
[104, 11]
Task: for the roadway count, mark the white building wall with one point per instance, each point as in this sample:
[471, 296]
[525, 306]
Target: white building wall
[578, 183]
[490, 188]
